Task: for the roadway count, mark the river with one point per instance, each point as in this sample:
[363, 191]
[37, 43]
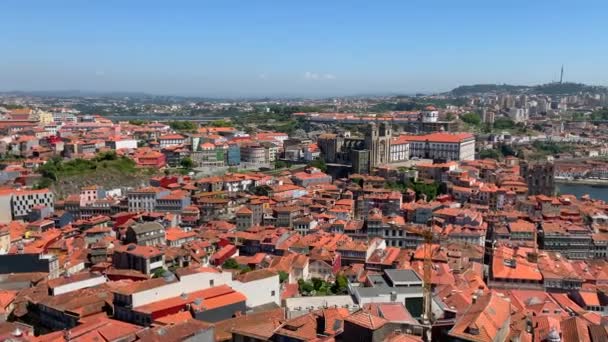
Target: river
[595, 191]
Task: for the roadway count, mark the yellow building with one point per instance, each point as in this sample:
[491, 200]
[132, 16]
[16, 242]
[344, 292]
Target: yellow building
[43, 117]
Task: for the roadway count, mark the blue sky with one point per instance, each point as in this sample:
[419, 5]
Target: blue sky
[310, 48]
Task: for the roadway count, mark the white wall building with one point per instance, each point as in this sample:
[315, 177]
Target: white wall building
[259, 291]
[441, 146]
[124, 144]
[430, 114]
[399, 150]
[65, 285]
[18, 203]
[518, 114]
[171, 140]
[262, 290]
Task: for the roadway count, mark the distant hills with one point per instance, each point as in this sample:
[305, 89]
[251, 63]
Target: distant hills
[547, 89]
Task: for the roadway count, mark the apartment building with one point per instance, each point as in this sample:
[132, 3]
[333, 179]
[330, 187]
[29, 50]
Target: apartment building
[145, 199]
[17, 204]
[145, 259]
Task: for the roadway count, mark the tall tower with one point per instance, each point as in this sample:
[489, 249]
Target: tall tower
[561, 75]
[377, 141]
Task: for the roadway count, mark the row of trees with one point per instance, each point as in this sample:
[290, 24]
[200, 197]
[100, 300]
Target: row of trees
[598, 115]
[320, 287]
[312, 287]
[430, 191]
[231, 264]
[471, 118]
[183, 125]
[503, 150]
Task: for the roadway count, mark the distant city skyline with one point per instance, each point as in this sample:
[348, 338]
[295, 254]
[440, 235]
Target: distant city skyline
[312, 48]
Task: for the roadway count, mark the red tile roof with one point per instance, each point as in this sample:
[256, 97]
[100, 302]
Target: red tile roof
[366, 320]
[483, 320]
[434, 137]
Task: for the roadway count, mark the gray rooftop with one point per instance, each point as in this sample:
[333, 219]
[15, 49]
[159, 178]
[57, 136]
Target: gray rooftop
[377, 280]
[402, 276]
[364, 292]
[147, 227]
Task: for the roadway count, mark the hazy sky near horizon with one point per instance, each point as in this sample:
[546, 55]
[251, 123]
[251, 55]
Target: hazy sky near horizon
[270, 48]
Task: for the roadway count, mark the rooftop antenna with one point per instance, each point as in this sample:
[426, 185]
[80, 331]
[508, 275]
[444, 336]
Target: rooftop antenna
[561, 76]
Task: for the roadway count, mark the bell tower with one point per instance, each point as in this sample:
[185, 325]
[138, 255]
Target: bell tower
[377, 141]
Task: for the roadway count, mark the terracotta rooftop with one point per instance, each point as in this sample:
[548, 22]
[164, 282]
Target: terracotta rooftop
[366, 320]
[483, 320]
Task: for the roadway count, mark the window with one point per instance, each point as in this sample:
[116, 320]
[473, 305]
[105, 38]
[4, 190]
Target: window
[211, 282]
[272, 293]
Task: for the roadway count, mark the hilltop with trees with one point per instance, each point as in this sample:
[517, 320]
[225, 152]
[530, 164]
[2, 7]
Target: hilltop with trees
[555, 88]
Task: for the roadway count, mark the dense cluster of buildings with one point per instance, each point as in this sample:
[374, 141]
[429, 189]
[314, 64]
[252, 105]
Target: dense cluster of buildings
[419, 241]
[420, 121]
[380, 147]
[159, 146]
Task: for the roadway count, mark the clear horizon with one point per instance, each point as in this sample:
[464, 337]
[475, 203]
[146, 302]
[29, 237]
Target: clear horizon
[237, 49]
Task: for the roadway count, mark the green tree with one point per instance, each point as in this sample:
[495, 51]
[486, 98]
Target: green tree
[306, 287]
[507, 150]
[340, 285]
[317, 283]
[43, 183]
[230, 264]
[358, 181]
[429, 190]
[220, 123]
[109, 155]
[283, 276]
[183, 125]
[159, 272]
[279, 164]
[489, 153]
[187, 163]
[319, 164]
[137, 122]
[262, 190]
[503, 123]
[471, 119]
[11, 106]
[487, 128]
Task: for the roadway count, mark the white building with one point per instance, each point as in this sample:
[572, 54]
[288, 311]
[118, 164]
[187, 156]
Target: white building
[144, 199]
[441, 146]
[260, 287]
[253, 153]
[122, 143]
[16, 204]
[518, 114]
[171, 140]
[76, 282]
[430, 114]
[399, 150]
